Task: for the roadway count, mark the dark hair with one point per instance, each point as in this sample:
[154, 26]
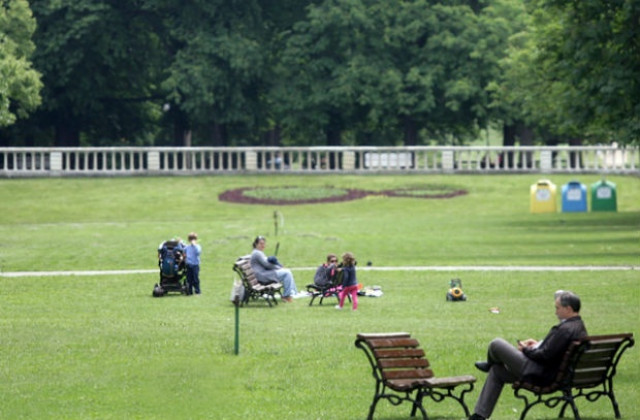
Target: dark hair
[331, 256]
[258, 239]
[348, 259]
[570, 299]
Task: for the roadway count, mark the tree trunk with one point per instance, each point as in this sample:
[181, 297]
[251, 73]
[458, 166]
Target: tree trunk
[508, 139]
[272, 137]
[67, 135]
[410, 132]
[526, 139]
[334, 138]
[575, 158]
[180, 127]
[219, 135]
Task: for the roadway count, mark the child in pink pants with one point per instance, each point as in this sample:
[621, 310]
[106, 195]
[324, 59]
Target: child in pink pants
[349, 281]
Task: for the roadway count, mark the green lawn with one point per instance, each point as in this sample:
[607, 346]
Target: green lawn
[100, 347]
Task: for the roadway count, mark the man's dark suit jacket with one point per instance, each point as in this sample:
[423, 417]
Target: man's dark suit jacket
[545, 359]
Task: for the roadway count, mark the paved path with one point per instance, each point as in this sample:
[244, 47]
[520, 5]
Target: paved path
[419, 268]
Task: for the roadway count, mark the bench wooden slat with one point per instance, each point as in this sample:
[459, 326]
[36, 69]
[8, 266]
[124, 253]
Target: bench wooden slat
[379, 343]
[404, 363]
[407, 374]
[370, 336]
[404, 385]
[395, 353]
[446, 382]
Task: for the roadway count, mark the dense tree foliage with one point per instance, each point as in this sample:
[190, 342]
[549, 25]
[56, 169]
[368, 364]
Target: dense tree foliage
[591, 49]
[19, 83]
[223, 72]
[392, 67]
[573, 70]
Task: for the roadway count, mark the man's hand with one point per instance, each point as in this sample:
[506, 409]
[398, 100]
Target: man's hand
[529, 342]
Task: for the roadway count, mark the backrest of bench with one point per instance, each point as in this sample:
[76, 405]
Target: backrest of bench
[590, 361]
[395, 356]
[243, 267]
[598, 359]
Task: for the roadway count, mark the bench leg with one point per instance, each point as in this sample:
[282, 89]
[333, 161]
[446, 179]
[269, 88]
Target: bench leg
[569, 401]
[394, 399]
[372, 408]
[612, 397]
[438, 396]
[417, 404]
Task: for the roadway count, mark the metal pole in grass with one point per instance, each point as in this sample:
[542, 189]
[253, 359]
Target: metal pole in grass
[275, 221]
[236, 347]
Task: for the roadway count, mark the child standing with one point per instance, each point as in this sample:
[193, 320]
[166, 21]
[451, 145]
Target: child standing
[349, 281]
[192, 252]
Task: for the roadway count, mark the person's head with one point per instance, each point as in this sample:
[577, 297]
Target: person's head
[332, 259]
[348, 259]
[193, 236]
[259, 242]
[567, 304]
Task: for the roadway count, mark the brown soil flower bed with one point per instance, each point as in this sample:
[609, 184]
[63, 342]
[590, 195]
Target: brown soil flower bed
[238, 196]
[435, 194]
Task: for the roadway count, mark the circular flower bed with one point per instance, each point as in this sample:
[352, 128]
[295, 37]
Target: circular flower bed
[290, 195]
[311, 195]
[426, 191]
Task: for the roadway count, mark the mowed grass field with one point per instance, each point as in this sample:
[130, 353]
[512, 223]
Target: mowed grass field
[99, 346]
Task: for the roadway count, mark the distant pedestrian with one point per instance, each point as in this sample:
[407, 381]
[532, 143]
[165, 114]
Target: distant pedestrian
[192, 252]
[349, 281]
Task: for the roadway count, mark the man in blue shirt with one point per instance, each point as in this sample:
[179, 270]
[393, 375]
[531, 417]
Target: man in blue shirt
[192, 252]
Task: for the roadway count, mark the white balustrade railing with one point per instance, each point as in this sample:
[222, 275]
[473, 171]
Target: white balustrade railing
[110, 161]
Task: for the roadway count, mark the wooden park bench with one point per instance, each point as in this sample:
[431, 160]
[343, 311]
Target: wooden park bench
[403, 373]
[587, 370]
[328, 290]
[253, 289]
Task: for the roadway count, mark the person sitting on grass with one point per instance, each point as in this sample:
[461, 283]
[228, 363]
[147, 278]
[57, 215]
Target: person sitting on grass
[349, 281]
[267, 272]
[533, 361]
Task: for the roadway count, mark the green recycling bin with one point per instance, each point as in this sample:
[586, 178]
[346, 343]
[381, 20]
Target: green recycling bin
[603, 196]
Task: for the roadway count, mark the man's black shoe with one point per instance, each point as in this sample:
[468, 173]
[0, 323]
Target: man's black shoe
[477, 416]
[483, 366]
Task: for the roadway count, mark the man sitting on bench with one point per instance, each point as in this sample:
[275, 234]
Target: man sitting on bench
[534, 361]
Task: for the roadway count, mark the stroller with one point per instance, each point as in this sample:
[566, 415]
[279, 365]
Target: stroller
[172, 269]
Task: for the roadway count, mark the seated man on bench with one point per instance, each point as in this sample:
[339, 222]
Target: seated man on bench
[535, 361]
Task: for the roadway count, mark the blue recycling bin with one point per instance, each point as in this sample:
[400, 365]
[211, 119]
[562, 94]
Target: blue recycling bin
[574, 197]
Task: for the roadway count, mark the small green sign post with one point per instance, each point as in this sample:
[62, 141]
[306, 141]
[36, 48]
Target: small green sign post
[236, 347]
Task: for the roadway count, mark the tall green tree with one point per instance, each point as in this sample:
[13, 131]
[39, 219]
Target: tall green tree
[575, 71]
[319, 71]
[215, 76]
[19, 83]
[419, 65]
[443, 54]
[101, 62]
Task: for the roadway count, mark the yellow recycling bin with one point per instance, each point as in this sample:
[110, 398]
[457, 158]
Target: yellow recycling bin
[543, 197]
